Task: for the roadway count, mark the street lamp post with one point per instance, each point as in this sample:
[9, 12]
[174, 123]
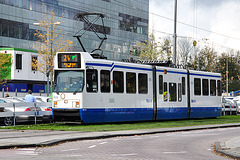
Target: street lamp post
[175, 35]
[227, 75]
[51, 45]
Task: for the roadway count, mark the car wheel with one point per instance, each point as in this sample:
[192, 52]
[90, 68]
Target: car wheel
[8, 121]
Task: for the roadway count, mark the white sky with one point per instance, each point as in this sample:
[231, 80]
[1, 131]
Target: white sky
[215, 16]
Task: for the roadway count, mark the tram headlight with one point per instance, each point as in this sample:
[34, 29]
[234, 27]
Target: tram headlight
[55, 103]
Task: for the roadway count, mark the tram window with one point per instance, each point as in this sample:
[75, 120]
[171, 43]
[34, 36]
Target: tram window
[142, 83]
[92, 80]
[197, 86]
[172, 92]
[213, 87]
[179, 92]
[105, 80]
[131, 82]
[219, 88]
[183, 86]
[160, 84]
[118, 82]
[165, 93]
[205, 87]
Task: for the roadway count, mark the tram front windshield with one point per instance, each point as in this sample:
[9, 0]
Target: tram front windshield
[68, 81]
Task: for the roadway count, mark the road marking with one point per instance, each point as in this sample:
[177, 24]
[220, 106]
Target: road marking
[103, 143]
[27, 151]
[68, 150]
[129, 154]
[92, 146]
[175, 152]
[76, 155]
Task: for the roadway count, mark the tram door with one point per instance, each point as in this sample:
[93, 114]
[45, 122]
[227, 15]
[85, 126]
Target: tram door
[171, 93]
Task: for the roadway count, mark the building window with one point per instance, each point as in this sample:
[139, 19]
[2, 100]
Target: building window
[98, 28]
[160, 84]
[92, 80]
[131, 23]
[205, 87]
[118, 86]
[213, 87]
[197, 86]
[34, 63]
[131, 82]
[105, 80]
[18, 61]
[142, 83]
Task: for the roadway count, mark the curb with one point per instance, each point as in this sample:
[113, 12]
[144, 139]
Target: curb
[225, 151]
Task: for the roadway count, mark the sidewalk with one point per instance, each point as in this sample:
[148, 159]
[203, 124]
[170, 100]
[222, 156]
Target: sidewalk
[33, 138]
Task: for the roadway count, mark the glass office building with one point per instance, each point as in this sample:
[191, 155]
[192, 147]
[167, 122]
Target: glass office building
[126, 21]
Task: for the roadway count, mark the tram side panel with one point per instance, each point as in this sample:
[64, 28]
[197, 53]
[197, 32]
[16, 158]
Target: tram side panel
[122, 92]
[171, 93]
[205, 94]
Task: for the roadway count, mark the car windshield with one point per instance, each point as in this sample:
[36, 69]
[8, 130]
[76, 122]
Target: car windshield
[68, 81]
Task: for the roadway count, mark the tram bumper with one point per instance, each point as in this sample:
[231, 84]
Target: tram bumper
[66, 115]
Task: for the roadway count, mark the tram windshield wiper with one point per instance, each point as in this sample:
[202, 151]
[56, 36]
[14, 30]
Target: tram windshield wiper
[78, 88]
[56, 88]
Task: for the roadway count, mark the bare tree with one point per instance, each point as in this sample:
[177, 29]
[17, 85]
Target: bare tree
[185, 51]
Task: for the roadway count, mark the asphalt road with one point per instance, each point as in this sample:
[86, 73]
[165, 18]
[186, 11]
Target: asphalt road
[186, 145]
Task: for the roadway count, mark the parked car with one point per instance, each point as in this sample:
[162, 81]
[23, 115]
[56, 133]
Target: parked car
[22, 99]
[229, 106]
[23, 112]
[237, 100]
[43, 98]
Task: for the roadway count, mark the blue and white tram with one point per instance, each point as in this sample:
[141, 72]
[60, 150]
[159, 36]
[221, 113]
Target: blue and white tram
[98, 90]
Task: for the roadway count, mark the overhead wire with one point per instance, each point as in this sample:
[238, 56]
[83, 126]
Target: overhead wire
[170, 19]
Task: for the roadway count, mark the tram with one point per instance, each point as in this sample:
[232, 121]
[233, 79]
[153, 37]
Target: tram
[93, 90]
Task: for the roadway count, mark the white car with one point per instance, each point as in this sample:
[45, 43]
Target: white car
[43, 99]
[237, 100]
[23, 112]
